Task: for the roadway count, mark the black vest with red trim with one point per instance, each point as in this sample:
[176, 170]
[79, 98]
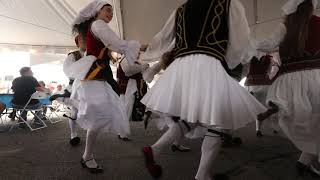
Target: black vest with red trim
[313, 42]
[100, 69]
[311, 59]
[202, 28]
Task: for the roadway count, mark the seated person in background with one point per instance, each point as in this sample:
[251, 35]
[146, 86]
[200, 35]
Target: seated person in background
[42, 84]
[2, 107]
[23, 87]
[44, 108]
[59, 89]
[61, 94]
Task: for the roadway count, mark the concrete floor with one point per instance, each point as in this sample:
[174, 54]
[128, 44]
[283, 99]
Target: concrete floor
[47, 155]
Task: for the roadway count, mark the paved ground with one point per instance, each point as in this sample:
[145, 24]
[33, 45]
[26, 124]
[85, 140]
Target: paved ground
[46, 155]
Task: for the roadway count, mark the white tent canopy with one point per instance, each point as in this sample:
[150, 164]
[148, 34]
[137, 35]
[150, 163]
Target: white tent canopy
[38, 32]
[44, 25]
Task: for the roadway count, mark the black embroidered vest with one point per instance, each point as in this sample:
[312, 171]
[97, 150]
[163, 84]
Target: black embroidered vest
[202, 27]
[123, 81]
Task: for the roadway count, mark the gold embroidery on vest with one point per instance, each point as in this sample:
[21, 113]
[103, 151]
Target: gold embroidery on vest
[181, 43]
[214, 29]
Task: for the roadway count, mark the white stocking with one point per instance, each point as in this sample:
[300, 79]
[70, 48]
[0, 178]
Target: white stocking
[209, 151]
[173, 133]
[72, 124]
[90, 143]
[73, 130]
[258, 125]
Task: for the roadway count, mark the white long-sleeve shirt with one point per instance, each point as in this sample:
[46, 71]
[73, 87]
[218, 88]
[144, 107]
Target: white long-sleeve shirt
[103, 32]
[132, 69]
[273, 41]
[67, 64]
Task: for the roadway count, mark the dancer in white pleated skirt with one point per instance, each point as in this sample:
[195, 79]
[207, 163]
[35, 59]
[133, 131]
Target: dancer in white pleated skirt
[100, 108]
[195, 89]
[296, 90]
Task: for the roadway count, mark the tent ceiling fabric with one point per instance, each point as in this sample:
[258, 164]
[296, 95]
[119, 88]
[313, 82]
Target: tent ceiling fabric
[44, 22]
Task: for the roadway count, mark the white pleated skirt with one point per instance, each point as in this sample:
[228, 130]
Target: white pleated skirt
[197, 89]
[298, 97]
[100, 108]
[128, 98]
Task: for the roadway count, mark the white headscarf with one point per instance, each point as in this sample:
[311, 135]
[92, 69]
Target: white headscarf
[292, 5]
[90, 10]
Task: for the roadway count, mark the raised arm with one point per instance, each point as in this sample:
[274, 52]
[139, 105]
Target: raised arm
[132, 69]
[273, 41]
[162, 42]
[129, 48]
[239, 48]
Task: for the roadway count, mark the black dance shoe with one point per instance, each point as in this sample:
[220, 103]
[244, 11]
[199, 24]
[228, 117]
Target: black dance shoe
[74, 141]
[95, 170]
[180, 148]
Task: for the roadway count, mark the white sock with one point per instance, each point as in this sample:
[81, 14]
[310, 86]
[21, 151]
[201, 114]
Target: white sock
[173, 133]
[72, 124]
[258, 125]
[307, 158]
[209, 151]
[73, 129]
[180, 138]
[74, 112]
[90, 143]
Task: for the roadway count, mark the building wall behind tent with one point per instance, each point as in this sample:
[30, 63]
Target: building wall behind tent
[142, 19]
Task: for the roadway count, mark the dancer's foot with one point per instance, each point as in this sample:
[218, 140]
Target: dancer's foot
[179, 148]
[74, 141]
[91, 165]
[124, 138]
[153, 168]
[263, 116]
[69, 117]
[304, 170]
[220, 177]
[259, 134]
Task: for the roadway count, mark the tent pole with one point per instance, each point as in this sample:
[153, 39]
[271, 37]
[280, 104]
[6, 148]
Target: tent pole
[255, 11]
